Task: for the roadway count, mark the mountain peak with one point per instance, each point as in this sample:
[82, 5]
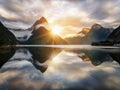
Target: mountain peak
[96, 26]
[40, 21]
[84, 31]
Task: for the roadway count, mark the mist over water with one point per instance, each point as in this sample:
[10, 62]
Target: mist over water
[66, 67]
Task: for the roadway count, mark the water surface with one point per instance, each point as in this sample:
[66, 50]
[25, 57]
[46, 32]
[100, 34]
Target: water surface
[56, 67]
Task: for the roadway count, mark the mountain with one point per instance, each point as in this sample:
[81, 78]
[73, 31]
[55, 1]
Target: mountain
[98, 33]
[6, 37]
[87, 36]
[41, 34]
[24, 34]
[40, 21]
[84, 31]
[112, 39]
[38, 33]
[115, 35]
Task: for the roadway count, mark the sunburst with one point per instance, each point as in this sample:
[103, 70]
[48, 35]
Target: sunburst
[56, 30]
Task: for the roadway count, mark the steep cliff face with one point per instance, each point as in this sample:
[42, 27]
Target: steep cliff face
[115, 35]
[41, 34]
[6, 37]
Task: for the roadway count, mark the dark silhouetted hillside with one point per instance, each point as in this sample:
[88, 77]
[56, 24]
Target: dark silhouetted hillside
[6, 37]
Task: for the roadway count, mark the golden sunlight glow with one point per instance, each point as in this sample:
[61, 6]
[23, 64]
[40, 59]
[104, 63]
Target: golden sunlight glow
[56, 29]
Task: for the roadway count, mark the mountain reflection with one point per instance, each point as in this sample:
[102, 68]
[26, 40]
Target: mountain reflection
[39, 55]
[98, 56]
[5, 54]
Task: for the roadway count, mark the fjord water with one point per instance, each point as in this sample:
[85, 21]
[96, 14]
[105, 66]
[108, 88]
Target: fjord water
[56, 67]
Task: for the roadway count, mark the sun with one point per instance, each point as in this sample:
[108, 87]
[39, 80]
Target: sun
[56, 30]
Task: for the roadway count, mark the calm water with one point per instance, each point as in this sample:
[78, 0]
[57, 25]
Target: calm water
[60, 68]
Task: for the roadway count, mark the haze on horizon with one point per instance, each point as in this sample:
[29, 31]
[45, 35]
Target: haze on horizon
[70, 15]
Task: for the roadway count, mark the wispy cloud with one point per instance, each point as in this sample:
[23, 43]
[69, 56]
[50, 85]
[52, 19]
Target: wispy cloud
[74, 13]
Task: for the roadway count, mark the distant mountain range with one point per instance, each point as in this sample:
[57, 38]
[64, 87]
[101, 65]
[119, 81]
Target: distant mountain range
[39, 33]
[88, 35]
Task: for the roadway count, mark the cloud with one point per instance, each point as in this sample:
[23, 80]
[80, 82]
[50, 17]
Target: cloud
[20, 11]
[82, 13]
[104, 12]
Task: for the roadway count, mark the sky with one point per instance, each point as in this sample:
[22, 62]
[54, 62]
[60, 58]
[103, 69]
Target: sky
[70, 15]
